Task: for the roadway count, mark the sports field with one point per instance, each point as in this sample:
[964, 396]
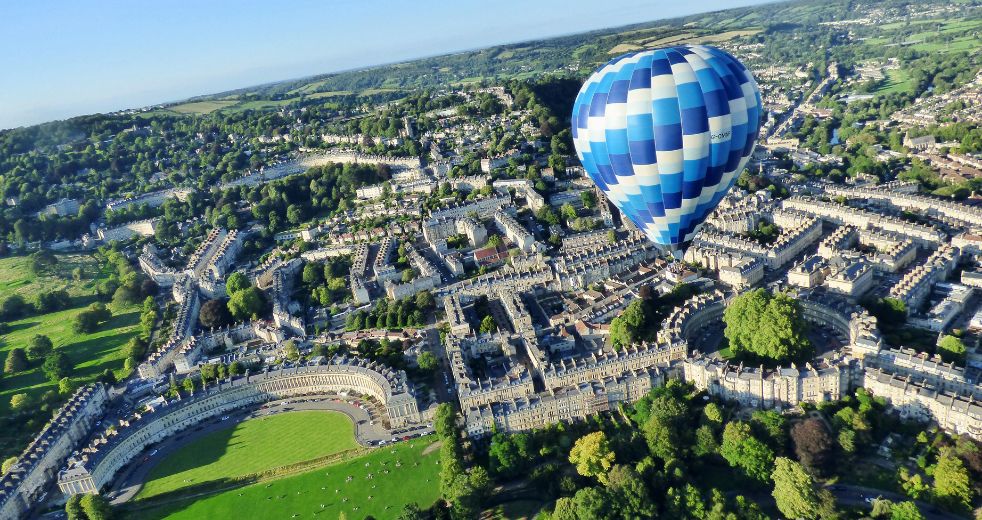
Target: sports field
[252, 446]
[378, 484]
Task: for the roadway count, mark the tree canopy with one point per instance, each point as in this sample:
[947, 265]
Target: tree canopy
[592, 456]
[765, 327]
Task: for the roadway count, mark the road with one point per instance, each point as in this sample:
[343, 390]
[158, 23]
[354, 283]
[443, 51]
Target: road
[847, 495]
[129, 482]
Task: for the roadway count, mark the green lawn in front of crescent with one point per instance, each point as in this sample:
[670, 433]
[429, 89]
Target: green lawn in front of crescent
[379, 484]
[252, 446]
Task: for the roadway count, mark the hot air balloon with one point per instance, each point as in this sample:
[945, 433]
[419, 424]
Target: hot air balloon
[665, 133]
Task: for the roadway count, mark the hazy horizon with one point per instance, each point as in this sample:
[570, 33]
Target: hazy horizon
[144, 55]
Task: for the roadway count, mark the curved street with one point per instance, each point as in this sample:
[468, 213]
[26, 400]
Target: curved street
[848, 495]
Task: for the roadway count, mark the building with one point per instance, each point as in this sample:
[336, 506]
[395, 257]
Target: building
[917, 401]
[62, 208]
[515, 232]
[780, 388]
[852, 280]
[22, 487]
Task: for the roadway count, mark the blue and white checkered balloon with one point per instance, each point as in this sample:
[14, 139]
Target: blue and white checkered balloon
[665, 133]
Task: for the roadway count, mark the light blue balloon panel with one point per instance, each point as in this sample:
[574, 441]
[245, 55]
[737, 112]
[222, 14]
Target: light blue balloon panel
[665, 133]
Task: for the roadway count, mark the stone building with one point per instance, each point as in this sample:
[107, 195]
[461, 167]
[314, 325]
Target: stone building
[22, 486]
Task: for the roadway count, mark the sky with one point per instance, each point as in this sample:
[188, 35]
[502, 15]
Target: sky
[64, 58]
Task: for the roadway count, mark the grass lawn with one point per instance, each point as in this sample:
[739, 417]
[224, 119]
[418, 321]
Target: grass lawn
[16, 276]
[415, 480]
[897, 80]
[201, 107]
[90, 353]
[252, 446]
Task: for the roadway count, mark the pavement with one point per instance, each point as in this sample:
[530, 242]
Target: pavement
[369, 431]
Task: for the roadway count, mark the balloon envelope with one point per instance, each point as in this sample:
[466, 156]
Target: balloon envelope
[665, 133]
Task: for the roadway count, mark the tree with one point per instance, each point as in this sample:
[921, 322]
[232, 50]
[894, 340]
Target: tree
[96, 507]
[794, 490]
[568, 211]
[20, 403]
[408, 275]
[56, 366]
[236, 368]
[913, 485]
[411, 511]
[214, 314]
[593, 503]
[627, 328]
[812, 443]
[589, 199]
[741, 449]
[881, 508]
[246, 303]
[768, 327]
[7, 464]
[313, 274]
[952, 483]
[952, 349]
[73, 508]
[630, 494]
[706, 443]
[65, 386]
[592, 456]
[713, 414]
[508, 455]
[290, 350]
[428, 361]
[16, 361]
[769, 426]
[236, 282]
[13, 307]
[565, 509]
[488, 325]
[88, 320]
[547, 215]
[445, 421]
[424, 300]
[905, 511]
[38, 347]
[51, 301]
[662, 438]
[188, 385]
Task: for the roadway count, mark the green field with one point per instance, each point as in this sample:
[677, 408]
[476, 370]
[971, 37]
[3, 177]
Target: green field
[896, 80]
[321, 493]
[90, 353]
[252, 446]
[201, 107]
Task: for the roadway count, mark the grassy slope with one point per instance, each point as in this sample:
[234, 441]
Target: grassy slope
[200, 107]
[304, 494]
[91, 353]
[252, 446]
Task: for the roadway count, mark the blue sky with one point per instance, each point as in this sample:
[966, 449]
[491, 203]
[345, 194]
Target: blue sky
[62, 58]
